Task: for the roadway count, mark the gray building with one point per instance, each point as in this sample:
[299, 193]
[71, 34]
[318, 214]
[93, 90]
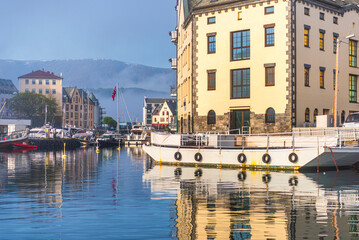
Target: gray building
[7, 91]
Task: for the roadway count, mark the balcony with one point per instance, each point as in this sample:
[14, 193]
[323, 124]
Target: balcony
[173, 62]
[174, 36]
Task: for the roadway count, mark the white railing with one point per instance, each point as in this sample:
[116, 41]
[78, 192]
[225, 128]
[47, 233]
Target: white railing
[320, 138]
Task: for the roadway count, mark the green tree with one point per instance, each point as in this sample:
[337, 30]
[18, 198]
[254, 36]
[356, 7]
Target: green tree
[110, 122]
[31, 105]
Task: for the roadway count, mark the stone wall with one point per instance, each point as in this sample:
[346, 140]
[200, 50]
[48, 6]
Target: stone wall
[200, 123]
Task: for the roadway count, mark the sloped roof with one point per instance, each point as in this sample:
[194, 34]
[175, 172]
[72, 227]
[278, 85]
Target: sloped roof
[157, 109]
[156, 100]
[172, 104]
[7, 87]
[68, 92]
[41, 74]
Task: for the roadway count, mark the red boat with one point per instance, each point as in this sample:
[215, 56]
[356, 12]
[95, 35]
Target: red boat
[13, 142]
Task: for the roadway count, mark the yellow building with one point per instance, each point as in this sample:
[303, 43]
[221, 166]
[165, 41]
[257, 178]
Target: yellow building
[42, 82]
[264, 66]
[163, 115]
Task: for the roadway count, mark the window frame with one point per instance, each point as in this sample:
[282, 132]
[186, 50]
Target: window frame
[307, 115]
[353, 92]
[306, 36]
[266, 12]
[269, 37]
[335, 20]
[270, 116]
[242, 47]
[321, 40]
[211, 118]
[307, 11]
[211, 43]
[241, 85]
[322, 16]
[211, 76]
[209, 20]
[268, 74]
[353, 53]
[306, 75]
[321, 78]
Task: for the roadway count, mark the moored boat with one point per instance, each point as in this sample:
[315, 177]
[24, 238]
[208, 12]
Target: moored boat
[288, 151]
[110, 140]
[16, 140]
[139, 135]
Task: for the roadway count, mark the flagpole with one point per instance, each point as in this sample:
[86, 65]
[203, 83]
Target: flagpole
[118, 111]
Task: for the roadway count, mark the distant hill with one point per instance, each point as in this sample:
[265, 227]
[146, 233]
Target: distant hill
[101, 75]
[94, 73]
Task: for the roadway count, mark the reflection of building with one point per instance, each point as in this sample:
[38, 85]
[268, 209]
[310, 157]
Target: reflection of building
[150, 104]
[230, 204]
[263, 65]
[80, 108]
[41, 82]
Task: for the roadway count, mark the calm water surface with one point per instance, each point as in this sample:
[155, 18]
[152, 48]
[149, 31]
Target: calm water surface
[123, 195]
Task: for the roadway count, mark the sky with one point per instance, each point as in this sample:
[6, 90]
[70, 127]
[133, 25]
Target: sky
[134, 31]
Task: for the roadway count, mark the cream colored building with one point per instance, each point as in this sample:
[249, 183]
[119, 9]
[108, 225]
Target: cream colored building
[164, 115]
[42, 82]
[263, 66]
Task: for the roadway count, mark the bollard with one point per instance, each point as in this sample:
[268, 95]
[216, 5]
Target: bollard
[97, 148]
[119, 145]
[64, 156]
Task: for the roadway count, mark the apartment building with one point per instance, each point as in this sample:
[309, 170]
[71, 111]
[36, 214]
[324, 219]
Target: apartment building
[79, 108]
[43, 82]
[264, 66]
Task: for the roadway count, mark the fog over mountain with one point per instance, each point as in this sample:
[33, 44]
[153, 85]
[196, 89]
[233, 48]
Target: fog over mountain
[101, 75]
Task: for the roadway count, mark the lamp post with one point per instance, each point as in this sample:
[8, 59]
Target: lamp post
[336, 78]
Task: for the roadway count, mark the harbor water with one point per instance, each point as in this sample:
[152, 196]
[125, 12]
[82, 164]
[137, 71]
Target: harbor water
[124, 195]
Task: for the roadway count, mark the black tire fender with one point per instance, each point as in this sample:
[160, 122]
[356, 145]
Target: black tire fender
[293, 157]
[198, 157]
[242, 158]
[266, 158]
[178, 156]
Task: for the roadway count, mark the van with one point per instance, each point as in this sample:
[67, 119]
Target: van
[352, 120]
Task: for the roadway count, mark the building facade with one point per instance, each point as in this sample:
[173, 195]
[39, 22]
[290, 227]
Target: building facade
[264, 66]
[45, 83]
[149, 106]
[78, 108]
[164, 115]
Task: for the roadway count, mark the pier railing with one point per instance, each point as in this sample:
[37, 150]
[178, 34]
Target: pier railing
[224, 139]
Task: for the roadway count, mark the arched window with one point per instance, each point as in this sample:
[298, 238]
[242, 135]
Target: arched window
[306, 119]
[211, 117]
[342, 117]
[315, 114]
[270, 115]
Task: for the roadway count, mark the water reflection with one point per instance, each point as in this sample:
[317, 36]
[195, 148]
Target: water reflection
[232, 204]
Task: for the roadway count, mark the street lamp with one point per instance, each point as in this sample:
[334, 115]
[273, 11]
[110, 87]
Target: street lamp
[336, 78]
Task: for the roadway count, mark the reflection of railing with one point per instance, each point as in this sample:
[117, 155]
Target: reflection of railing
[327, 138]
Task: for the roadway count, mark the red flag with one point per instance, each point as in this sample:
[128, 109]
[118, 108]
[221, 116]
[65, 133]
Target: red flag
[114, 94]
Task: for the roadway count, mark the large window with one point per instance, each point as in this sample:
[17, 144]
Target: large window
[306, 36]
[306, 75]
[269, 36]
[306, 115]
[270, 76]
[211, 117]
[321, 39]
[240, 45]
[335, 39]
[240, 83]
[270, 115]
[321, 77]
[352, 53]
[353, 88]
[211, 42]
[211, 79]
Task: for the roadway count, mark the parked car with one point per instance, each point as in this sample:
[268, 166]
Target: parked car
[352, 120]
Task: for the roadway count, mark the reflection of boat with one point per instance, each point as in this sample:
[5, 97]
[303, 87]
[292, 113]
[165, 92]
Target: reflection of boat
[139, 135]
[110, 140]
[305, 150]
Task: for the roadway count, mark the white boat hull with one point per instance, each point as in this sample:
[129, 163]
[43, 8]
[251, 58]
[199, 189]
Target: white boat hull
[307, 157]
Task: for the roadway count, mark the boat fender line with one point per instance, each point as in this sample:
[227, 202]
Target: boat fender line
[266, 158]
[178, 156]
[293, 157]
[198, 173]
[178, 172]
[198, 157]
[241, 158]
[293, 181]
[266, 178]
[242, 176]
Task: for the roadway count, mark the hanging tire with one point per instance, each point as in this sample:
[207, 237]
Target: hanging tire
[198, 157]
[266, 178]
[242, 176]
[293, 181]
[178, 156]
[198, 173]
[293, 157]
[266, 158]
[241, 158]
